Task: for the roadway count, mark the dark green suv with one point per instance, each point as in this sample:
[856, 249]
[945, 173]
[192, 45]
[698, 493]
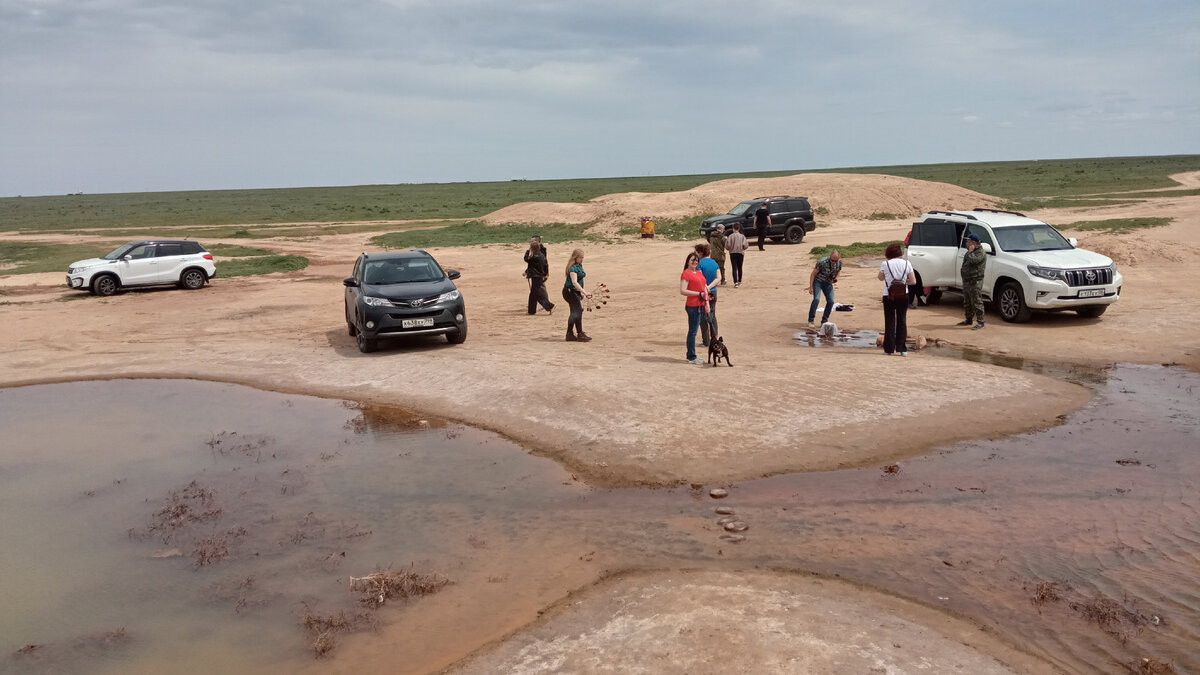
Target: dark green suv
[791, 218]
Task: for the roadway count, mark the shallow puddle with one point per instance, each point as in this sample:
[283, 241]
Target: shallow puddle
[1080, 543]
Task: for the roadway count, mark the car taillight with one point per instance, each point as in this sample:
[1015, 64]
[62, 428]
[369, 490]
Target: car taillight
[907, 237]
[208, 256]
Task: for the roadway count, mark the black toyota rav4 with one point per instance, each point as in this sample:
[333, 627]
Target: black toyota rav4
[791, 218]
[401, 293]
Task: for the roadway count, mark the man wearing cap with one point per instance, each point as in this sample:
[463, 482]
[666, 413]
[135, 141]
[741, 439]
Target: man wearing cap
[972, 281]
[716, 240]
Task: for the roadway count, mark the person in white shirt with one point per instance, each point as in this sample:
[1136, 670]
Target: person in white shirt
[895, 326]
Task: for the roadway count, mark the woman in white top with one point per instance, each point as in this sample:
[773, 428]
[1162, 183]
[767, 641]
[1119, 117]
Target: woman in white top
[895, 326]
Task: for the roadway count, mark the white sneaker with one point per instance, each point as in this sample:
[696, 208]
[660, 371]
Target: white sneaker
[903, 353]
[698, 361]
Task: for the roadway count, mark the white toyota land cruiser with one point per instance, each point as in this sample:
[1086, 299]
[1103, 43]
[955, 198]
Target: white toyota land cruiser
[1030, 264]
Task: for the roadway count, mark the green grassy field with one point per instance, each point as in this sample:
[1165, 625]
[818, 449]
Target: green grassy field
[314, 211]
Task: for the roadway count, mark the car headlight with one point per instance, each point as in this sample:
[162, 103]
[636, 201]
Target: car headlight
[1112, 267]
[447, 297]
[1047, 273]
[372, 301]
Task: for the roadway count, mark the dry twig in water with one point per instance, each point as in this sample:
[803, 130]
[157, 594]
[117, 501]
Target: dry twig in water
[375, 589]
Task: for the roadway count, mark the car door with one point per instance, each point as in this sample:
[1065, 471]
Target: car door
[932, 251]
[779, 217]
[989, 272]
[170, 262]
[353, 291]
[139, 266]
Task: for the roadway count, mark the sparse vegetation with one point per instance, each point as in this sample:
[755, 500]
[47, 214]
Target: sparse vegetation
[820, 211]
[236, 251]
[20, 257]
[674, 229]
[856, 249]
[1118, 225]
[884, 215]
[477, 232]
[266, 264]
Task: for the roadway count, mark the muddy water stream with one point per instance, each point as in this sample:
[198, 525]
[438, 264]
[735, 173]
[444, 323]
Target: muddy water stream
[164, 525]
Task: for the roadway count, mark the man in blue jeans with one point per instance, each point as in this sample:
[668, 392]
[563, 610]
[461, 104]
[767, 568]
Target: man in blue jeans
[822, 279]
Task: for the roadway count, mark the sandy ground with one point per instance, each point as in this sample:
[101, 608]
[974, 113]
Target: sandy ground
[626, 408]
[748, 622]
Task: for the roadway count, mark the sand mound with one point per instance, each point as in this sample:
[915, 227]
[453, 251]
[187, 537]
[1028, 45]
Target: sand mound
[844, 196]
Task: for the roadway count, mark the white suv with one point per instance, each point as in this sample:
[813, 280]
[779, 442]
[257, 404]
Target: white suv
[144, 263]
[1030, 264]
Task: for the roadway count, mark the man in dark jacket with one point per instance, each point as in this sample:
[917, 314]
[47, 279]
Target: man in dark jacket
[537, 270]
[762, 220]
[972, 280]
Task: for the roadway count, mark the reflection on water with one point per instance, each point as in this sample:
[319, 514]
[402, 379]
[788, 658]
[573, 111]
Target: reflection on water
[1081, 543]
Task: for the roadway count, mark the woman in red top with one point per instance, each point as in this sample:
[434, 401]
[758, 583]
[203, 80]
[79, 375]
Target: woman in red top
[693, 285]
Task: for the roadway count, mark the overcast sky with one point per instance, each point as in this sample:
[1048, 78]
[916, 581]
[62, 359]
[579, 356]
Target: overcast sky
[148, 95]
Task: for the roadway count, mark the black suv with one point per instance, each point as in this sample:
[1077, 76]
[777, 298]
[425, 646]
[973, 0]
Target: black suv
[791, 218]
[402, 293]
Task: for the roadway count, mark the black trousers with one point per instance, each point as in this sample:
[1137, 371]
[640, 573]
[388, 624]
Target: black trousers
[575, 320]
[708, 328]
[895, 325]
[538, 295]
[736, 260]
[762, 235]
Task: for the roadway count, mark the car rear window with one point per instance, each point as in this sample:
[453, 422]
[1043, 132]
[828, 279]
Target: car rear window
[165, 250]
[935, 232]
[192, 248]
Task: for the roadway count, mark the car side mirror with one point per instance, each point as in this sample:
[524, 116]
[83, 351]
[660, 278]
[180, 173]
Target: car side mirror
[987, 248]
[349, 282]
[453, 274]
[1073, 242]
[127, 257]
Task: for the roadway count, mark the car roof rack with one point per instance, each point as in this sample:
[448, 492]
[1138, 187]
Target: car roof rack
[1015, 213]
[952, 213]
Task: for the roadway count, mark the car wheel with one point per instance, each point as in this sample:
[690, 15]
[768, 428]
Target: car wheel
[104, 285]
[365, 344]
[1091, 312]
[192, 279]
[935, 295]
[459, 337]
[1011, 303]
[351, 330]
[794, 234]
[776, 239]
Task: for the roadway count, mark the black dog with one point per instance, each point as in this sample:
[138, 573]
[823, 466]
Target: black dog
[717, 350]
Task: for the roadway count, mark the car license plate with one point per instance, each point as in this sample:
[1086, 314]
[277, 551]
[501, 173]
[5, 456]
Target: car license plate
[416, 323]
[1093, 293]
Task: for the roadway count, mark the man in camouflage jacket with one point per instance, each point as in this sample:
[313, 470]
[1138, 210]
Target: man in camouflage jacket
[972, 281]
[716, 241]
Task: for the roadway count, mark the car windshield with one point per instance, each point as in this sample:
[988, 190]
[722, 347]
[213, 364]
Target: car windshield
[740, 208]
[120, 251]
[1039, 237]
[385, 272]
